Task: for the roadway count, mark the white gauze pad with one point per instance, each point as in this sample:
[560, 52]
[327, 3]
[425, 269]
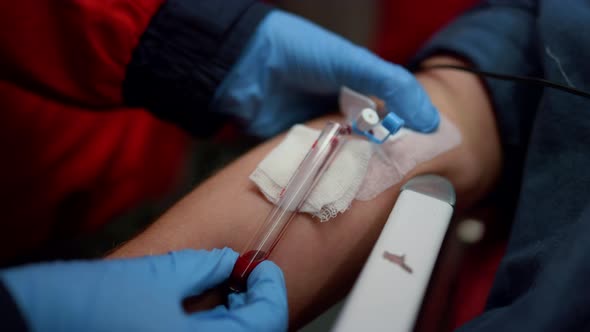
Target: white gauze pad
[334, 191]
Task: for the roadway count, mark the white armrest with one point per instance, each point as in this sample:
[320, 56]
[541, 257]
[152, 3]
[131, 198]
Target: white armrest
[388, 294]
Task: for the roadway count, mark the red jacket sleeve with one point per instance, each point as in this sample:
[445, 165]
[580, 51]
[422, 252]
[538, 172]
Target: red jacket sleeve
[166, 56]
[74, 51]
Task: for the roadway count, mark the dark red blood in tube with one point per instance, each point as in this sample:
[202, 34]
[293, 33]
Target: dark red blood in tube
[238, 280]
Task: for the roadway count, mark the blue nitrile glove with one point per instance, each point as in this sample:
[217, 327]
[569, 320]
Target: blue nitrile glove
[291, 67]
[145, 294]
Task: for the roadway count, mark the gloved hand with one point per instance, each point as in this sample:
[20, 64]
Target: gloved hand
[291, 67]
[145, 294]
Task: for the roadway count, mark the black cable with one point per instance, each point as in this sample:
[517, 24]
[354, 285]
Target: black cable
[514, 78]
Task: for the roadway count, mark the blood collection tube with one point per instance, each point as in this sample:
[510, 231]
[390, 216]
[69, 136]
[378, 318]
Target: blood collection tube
[292, 197]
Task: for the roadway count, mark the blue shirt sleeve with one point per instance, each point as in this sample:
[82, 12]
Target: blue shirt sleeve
[186, 51]
[498, 36]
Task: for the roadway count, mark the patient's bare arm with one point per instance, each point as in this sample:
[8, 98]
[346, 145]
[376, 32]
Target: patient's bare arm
[321, 260]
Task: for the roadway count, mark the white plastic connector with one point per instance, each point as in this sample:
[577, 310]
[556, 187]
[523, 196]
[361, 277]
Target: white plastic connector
[367, 119]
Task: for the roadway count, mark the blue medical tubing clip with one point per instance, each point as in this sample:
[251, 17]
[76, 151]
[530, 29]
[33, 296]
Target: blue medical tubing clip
[391, 122]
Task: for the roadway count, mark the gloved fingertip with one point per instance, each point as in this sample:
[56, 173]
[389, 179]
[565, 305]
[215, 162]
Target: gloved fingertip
[431, 120]
[195, 271]
[266, 297]
[191, 255]
[405, 96]
[235, 300]
[227, 252]
[266, 270]
[425, 119]
[267, 282]
[182, 253]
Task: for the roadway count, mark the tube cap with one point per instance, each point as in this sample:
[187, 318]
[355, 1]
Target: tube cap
[392, 123]
[367, 119]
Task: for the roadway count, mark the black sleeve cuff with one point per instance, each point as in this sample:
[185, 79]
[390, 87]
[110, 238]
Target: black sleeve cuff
[12, 319]
[188, 48]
